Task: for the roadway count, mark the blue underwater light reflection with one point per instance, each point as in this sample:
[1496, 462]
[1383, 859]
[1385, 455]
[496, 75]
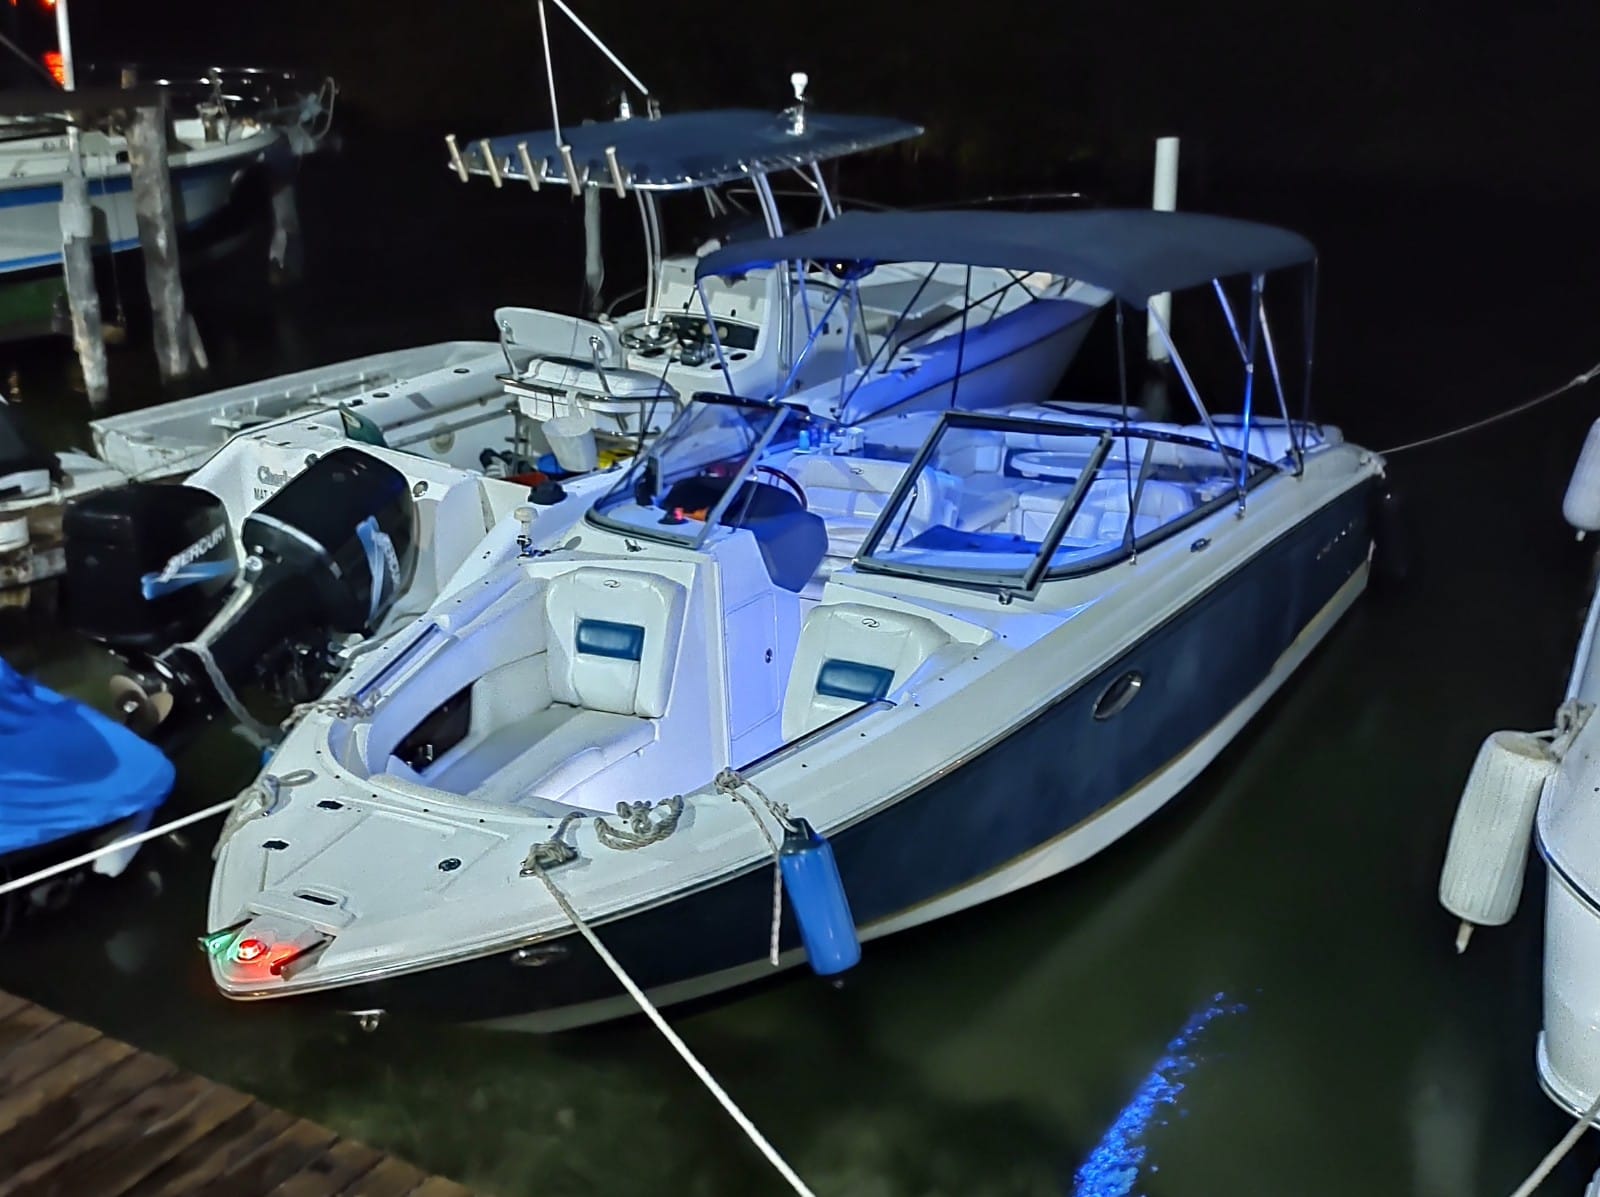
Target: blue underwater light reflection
[1113, 1166]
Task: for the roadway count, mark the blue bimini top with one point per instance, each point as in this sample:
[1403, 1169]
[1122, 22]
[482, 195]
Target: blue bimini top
[65, 768]
[1133, 253]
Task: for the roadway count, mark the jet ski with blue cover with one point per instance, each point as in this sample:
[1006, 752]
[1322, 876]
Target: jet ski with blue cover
[71, 780]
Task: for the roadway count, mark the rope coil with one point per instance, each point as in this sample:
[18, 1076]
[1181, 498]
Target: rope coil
[641, 830]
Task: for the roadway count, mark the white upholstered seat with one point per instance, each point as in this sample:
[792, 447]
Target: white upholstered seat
[849, 654]
[614, 640]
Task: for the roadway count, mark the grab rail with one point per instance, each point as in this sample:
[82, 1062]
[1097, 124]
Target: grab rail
[817, 734]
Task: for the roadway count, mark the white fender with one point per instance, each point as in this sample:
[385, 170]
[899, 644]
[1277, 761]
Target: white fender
[1488, 853]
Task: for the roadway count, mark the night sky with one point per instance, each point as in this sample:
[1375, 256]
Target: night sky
[1497, 99]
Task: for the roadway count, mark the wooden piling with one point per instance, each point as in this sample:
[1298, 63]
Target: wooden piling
[158, 239]
[77, 254]
[285, 256]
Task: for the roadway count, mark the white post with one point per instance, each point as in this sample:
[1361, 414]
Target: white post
[1164, 199]
[69, 79]
[593, 263]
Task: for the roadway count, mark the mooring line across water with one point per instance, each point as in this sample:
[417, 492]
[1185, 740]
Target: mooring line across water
[77, 862]
[1573, 384]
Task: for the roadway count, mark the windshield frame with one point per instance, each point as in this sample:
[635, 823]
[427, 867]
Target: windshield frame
[618, 495]
[1026, 583]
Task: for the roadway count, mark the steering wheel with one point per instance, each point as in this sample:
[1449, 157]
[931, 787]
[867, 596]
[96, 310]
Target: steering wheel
[643, 337]
[789, 483]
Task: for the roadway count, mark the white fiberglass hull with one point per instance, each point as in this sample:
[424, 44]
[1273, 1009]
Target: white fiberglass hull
[1566, 828]
[908, 795]
[176, 438]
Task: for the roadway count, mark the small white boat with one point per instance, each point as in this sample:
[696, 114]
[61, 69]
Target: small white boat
[613, 380]
[405, 392]
[31, 169]
[970, 664]
[214, 140]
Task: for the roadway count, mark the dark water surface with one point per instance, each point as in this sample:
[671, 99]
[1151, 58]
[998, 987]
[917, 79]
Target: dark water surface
[1256, 991]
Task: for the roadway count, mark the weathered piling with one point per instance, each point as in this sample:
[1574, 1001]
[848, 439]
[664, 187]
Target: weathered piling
[77, 253]
[158, 239]
[285, 256]
[77, 238]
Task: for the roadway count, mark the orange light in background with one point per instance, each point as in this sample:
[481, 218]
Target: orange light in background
[46, 3]
[57, 68]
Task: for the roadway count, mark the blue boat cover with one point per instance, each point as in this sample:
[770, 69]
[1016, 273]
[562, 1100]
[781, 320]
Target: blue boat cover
[688, 149]
[1133, 253]
[65, 768]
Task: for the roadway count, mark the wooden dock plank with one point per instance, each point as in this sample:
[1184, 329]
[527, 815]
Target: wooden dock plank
[438, 1186]
[81, 1113]
[80, 1068]
[132, 1128]
[292, 1151]
[110, 1160]
[392, 1178]
[51, 1128]
[24, 1025]
[42, 1052]
[197, 1167]
[345, 1163]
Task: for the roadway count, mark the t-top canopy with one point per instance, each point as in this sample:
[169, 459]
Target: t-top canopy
[1133, 253]
[686, 149]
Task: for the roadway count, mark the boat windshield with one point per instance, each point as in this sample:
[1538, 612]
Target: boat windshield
[704, 471]
[1009, 502]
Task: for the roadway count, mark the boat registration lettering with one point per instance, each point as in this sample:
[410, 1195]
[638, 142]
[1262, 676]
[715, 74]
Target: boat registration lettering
[270, 481]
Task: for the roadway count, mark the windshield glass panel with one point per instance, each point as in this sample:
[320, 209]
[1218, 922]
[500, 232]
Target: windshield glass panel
[1000, 501]
[704, 469]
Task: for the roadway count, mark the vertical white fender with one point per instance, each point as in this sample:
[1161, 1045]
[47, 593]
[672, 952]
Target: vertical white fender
[1488, 853]
[1581, 505]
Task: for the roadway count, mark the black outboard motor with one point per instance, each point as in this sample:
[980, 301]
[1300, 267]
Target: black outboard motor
[147, 564]
[327, 556]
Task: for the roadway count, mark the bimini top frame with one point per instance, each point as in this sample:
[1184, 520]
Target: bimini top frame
[1136, 254]
[690, 151]
[681, 151]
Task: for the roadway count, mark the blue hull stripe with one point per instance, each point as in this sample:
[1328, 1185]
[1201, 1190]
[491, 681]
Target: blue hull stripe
[50, 193]
[1044, 779]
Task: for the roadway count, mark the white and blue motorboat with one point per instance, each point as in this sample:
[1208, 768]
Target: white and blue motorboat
[71, 781]
[969, 649]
